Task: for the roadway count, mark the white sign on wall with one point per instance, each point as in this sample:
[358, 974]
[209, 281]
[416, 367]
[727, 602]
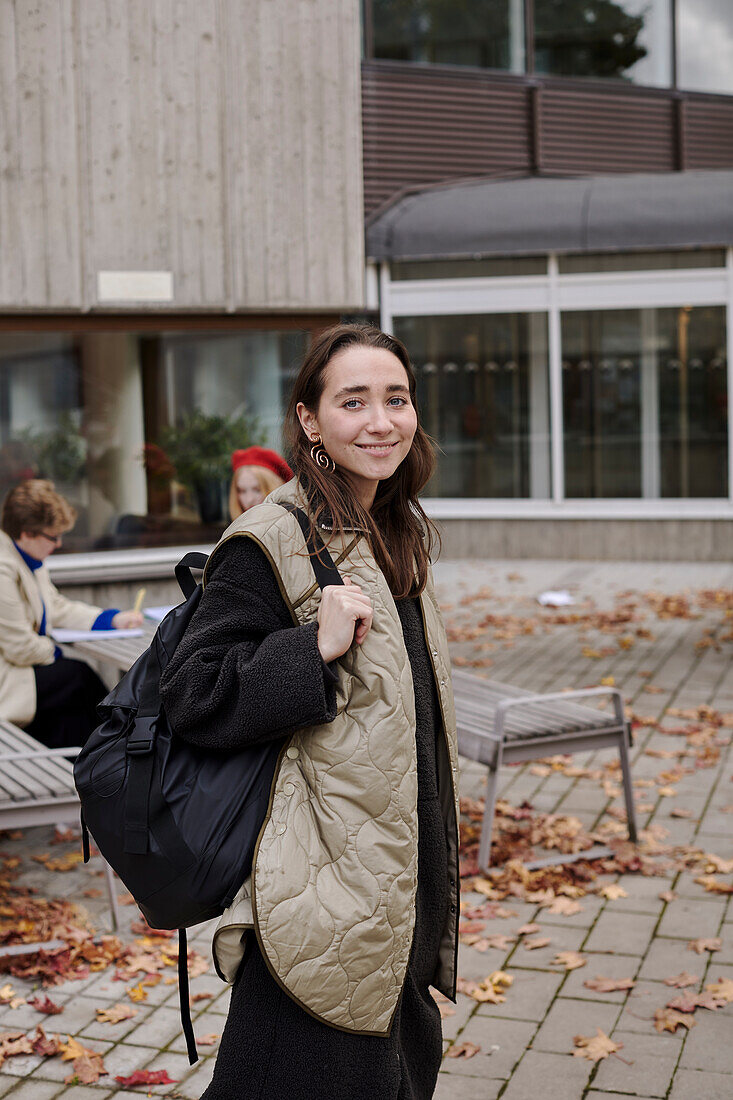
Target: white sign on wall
[135, 286]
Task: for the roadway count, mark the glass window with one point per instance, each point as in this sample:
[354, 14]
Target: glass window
[622, 39]
[705, 45]
[136, 429]
[645, 403]
[484, 33]
[640, 261]
[483, 395]
[499, 267]
[602, 404]
[693, 402]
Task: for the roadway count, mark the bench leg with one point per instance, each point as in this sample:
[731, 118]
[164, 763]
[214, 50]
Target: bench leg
[487, 824]
[112, 894]
[623, 749]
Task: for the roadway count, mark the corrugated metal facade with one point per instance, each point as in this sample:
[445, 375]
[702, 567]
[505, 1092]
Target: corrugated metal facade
[422, 125]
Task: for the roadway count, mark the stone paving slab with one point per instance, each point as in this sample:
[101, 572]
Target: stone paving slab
[702, 1084]
[568, 1018]
[526, 1042]
[549, 1076]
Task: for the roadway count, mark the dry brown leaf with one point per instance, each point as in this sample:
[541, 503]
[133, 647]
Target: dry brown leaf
[87, 1068]
[565, 907]
[137, 993]
[207, 1040]
[689, 1001]
[612, 891]
[45, 1005]
[500, 941]
[14, 1042]
[533, 943]
[595, 1047]
[667, 895]
[722, 990]
[463, 1050]
[682, 980]
[45, 1045]
[483, 886]
[72, 1049]
[698, 946]
[528, 929]
[713, 885]
[679, 811]
[609, 985]
[722, 866]
[669, 1019]
[571, 960]
[491, 990]
[116, 1014]
[478, 943]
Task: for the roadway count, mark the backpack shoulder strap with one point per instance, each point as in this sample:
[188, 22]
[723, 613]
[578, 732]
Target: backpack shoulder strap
[323, 564]
[184, 576]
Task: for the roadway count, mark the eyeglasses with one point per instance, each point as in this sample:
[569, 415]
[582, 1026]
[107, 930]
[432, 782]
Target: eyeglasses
[55, 539]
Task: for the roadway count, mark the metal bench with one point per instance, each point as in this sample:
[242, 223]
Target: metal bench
[502, 724]
[37, 788]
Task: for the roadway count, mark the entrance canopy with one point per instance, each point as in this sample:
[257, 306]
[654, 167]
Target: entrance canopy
[536, 215]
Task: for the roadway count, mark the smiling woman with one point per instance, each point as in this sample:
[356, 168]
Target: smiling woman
[356, 391]
[365, 417]
[351, 911]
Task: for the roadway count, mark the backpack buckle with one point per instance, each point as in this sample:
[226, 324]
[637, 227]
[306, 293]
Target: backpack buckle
[141, 740]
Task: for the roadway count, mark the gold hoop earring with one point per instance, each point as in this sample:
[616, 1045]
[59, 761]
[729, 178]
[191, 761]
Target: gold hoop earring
[320, 455]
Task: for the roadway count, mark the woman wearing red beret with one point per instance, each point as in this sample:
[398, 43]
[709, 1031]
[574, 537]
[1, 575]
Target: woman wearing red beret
[257, 471]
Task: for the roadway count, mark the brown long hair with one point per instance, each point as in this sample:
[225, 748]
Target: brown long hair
[401, 535]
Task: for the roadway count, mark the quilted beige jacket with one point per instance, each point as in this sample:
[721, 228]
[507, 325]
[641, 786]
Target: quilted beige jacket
[332, 893]
[22, 595]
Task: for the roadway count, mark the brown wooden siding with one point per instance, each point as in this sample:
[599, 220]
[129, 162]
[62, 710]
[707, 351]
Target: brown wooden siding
[424, 125]
[709, 133]
[594, 132]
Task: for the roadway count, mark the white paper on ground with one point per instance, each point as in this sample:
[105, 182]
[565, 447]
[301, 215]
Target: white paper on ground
[60, 635]
[561, 598]
[157, 613]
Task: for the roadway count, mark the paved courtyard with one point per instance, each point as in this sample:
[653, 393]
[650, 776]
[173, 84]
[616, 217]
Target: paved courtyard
[544, 959]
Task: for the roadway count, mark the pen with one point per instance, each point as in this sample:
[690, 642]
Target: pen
[139, 600]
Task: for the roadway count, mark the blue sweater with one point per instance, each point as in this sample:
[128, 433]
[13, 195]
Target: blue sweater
[103, 620]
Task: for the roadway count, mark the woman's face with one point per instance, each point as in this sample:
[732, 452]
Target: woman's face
[365, 417]
[248, 488]
[40, 546]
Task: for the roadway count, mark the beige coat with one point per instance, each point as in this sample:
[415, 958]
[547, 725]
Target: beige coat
[332, 894]
[22, 595]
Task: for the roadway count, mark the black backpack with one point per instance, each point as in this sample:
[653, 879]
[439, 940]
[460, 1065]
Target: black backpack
[177, 823]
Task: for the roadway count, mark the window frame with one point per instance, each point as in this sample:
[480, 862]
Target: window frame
[555, 294]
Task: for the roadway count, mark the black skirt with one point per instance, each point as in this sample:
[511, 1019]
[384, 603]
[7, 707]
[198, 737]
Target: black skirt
[272, 1049]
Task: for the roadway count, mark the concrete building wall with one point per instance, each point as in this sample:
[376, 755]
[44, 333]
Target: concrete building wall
[589, 539]
[218, 140]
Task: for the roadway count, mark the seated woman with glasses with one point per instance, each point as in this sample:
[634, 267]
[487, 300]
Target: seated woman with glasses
[53, 697]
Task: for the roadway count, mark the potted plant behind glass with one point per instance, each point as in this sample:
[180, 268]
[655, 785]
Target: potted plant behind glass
[200, 447]
[59, 454]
